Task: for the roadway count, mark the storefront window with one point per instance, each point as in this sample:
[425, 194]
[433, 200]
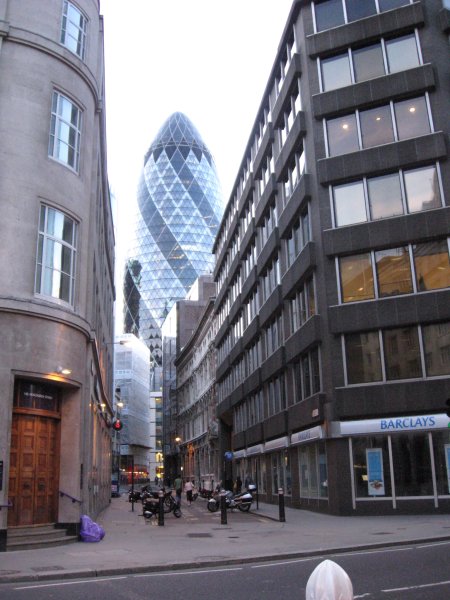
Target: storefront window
[371, 472]
[412, 465]
[313, 471]
[441, 449]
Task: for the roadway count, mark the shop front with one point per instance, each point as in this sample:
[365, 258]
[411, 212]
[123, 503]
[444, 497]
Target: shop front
[399, 463]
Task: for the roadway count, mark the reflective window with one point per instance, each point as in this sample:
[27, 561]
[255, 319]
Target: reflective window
[376, 126]
[329, 13]
[336, 72]
[412, 118]
[436, 344]
[368, 62]
[412, 467]
[55, 267]
[393, 272]
[313, 477]
[432, 265]
[342, 135]
[441, 443]
[356, 278]
[389, 4]
[402, 53]
[401, 353]
[73, 29]
[349, 204]
[385, 196]
[358, 9]
[65, 131]
[362, 351]
[422, 189]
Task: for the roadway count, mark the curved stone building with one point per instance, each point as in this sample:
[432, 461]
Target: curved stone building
[56, 304]
[179, 211]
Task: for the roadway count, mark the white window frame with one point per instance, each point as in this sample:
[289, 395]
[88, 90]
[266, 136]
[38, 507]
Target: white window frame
[61, 130]
[68, 25]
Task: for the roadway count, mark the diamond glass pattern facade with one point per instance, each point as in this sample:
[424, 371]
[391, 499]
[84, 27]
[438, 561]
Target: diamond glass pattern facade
[179, 211]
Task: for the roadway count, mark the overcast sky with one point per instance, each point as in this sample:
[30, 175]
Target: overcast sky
[206, 58]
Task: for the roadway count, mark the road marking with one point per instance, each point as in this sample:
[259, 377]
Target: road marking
[416, 587]
[287, 562]
[44, 585]
[194, 572]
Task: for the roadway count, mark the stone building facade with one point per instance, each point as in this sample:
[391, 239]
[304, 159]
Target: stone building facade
[56, 305]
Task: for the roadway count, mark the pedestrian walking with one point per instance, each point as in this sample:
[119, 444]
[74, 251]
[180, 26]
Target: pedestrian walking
[188, 487]
[178, 486]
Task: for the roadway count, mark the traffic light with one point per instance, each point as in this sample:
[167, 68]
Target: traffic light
[447, 407]
[117, 425]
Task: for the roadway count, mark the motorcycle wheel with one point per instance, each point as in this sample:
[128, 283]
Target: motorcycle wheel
[213, 506]
[168, 504]
[177, 512]
[244, 507]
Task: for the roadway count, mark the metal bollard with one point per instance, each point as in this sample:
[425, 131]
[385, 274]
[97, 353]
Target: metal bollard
[223, 509]
[161, 508]
[281, 505]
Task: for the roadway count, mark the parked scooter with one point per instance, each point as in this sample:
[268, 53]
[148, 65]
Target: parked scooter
[242, 501]
[169, 500]
[150, 506]
[135, 495]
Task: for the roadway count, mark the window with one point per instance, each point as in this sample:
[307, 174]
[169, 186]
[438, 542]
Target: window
[342, 134]
[393, 272]
[363, 357]
[385, 197]
[336, 72]
[411, 118]
[55, 268]
[377, 127]
[349, 204]
[65, 131]
[436, 341]
[422, 189]
[73, 29]
[368, 62]
[432, 265]
[356, 278]
[403, 357]
[402, 53]
[308, 382]
[330, 13]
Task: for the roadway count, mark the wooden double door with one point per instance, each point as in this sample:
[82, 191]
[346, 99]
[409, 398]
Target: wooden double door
[33, 470]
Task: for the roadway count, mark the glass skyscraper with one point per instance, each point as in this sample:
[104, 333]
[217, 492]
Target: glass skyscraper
[179, 211]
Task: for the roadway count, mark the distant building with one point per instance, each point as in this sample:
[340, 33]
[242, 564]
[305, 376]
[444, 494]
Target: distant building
[56, 266]
[179, 210]
[131, 376]
[178, 328]
[332, 266]
[197, 421]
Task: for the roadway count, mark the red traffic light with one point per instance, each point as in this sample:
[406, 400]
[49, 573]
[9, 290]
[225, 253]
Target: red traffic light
[117, 425]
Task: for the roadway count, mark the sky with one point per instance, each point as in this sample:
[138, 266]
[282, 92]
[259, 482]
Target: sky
[209, 59]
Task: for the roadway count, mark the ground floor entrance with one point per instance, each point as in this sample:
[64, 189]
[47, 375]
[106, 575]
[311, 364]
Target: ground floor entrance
[34, 468]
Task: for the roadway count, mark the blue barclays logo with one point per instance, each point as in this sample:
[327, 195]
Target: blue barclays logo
[407, 423]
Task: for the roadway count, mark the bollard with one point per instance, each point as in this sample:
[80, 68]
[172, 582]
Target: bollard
[161, 508]
[281, 505]
[223, 509]
[329, 581]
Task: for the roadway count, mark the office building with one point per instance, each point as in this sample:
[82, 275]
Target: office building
[332, 265]
[56, 305]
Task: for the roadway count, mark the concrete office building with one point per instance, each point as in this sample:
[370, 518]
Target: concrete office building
[56, 305]
[332, 265]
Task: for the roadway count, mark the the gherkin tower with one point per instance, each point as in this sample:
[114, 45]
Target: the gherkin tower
[179, 211]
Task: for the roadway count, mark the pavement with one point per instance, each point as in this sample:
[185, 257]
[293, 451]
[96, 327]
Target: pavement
[133, 544]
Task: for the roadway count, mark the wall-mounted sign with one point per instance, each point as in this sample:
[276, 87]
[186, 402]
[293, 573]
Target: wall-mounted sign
[400, 424]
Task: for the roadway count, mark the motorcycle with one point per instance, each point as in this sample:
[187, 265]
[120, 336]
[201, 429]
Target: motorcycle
[169, 500]
[135, 495]
[150, 506]
[242, 501]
